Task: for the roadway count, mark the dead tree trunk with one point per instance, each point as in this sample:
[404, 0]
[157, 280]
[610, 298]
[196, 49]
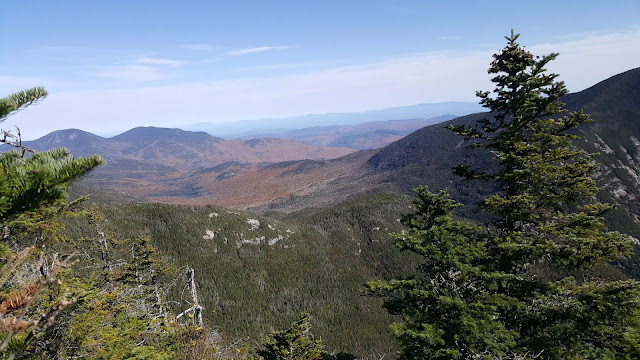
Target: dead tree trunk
[196, 309]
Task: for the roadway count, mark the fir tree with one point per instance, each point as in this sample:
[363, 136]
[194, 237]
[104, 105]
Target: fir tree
[32, 183]
[120, 309]
[545, 216]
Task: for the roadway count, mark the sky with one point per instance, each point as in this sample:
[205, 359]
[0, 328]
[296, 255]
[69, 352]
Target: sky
[113, 65]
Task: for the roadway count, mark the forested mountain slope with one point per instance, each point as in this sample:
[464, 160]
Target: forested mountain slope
[256, 274]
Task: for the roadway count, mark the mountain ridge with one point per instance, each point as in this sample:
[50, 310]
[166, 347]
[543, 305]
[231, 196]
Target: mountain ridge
[150, 161]
[363, 136]
[247, 128]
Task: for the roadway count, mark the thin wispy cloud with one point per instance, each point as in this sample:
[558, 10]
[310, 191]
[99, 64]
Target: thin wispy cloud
[291, 66]
[158, 61]
[257, 50]
[132, 73]
[581, 56]
[449, 38]
[197, 47]
[141, 70]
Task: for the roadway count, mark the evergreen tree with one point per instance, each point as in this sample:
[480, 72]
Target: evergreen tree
[294, 343]
[545, 216]
[449, 308]
[33, 191]
[33, 184]
[17, 101]
[120, 310]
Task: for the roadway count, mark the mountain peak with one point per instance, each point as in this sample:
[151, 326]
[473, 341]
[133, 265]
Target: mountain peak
[149, 134]
[67, 135]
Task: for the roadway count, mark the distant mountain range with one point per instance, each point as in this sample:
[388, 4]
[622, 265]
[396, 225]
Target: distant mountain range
[253, 128]
[368, 135]
[186, 149]
[427, 156]
[268, 174]
[147, 160]
[162, 164]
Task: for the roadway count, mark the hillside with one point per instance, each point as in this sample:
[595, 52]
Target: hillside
[256, 273]
[614, 104]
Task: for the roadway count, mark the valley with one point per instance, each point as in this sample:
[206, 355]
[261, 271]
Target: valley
[272, 175]
[329, 220]
[275, 227]
[320, 180]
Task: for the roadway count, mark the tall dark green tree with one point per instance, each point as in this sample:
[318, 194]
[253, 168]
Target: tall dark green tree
[545, 216]
[449, 308]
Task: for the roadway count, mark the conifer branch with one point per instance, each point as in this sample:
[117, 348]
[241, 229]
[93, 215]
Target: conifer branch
[18, 101]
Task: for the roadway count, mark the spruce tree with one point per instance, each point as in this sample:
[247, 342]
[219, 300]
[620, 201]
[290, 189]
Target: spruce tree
[296, 343]
[32, 181]
[545, 216]
[449, 308]
[33, 191]
[292, 344]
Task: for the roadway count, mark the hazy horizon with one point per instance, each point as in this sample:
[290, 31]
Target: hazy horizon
[116, 65]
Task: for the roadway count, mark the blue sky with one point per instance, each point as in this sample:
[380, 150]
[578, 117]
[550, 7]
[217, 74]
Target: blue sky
[113, 65]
